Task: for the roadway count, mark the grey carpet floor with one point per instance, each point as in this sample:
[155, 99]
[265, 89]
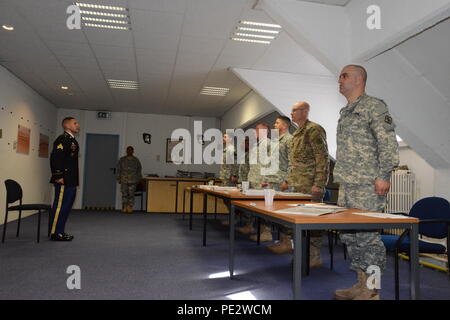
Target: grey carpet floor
[156, 256]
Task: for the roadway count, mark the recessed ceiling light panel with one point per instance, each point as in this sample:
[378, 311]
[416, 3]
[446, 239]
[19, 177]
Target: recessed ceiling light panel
[123, 84]
[256, 32]
[214, 91]
[104, 16]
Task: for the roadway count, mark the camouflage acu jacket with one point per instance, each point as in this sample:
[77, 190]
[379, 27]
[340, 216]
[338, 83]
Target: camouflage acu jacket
[282, 148]
[129, 170]
[308, 158]
[231, 169]
[367, 147]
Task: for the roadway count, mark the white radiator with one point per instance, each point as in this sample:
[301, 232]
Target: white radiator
[402, 194]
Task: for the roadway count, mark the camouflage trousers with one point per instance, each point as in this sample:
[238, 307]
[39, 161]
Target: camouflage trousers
[365, 248]
[128, 190]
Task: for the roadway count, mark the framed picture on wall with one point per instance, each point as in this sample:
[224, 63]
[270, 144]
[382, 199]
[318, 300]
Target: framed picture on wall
[170, 145]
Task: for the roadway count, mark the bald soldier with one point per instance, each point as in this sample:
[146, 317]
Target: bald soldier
[308, 173]
[367, 153]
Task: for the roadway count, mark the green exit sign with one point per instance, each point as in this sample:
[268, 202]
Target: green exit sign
[103, 115]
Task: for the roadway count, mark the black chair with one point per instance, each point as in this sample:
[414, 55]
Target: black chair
[434, 216]
[139, 192]
[14, 193]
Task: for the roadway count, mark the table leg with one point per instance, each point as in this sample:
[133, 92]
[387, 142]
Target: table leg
[205, 213]
[258, 231]
[191, 206]
[414, 254]
[231, 257]
[297, 267]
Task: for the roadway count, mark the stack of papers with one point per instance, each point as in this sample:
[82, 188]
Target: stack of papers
[381, 215]
[316, 205]
[254, 192]
[292, 194]
[308, 211]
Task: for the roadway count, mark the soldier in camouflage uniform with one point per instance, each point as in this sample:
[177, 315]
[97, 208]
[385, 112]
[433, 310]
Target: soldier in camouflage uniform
[128, 175]
[280, 147]
[257, 180]
[229, 171]
[244, 168]
[308, 173]
[367, 152]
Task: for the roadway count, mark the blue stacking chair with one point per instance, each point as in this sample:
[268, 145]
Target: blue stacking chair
[434, 216]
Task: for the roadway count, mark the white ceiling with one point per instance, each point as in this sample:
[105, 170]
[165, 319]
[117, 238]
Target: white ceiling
[175, 48]
[330, 2]
[429, 54]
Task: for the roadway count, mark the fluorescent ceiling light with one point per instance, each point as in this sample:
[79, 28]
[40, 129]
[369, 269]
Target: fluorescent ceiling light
[8, 27]
[258, 30]
[96, 6]
[105, 20]
[105, 14]
[254, 36]
[105, 26]
[65, 87]
[251, 40]
[123, 84]
[216, 88]
[260, 24]
[214, 91]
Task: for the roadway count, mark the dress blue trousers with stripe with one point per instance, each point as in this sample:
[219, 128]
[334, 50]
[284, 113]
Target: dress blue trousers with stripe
[64, 198]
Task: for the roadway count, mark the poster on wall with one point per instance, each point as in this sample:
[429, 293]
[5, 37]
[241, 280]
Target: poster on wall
[23, 140]
[43, 145]
[170, 145]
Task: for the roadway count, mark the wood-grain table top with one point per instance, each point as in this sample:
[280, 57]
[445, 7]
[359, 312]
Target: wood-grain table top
[335, 218]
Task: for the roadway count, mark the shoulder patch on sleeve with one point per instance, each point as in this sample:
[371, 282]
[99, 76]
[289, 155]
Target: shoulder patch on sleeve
[388, 119]
[60, 146]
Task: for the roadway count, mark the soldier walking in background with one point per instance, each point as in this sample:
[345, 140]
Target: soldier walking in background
[129, 174]
[367, 152]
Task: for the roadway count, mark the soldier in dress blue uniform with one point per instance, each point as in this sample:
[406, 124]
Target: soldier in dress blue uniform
[64, 167]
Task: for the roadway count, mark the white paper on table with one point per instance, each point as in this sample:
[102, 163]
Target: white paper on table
[381, 215]
[320, 206]
[292, 194]
[312, 212]
[254, 192]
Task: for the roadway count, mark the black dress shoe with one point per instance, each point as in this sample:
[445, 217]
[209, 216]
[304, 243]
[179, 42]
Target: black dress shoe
[59, 237]
[69, 236]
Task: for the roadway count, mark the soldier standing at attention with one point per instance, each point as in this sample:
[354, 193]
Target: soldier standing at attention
[308, 173]
[64, 167]
[229, 171]
[257, 180]
[245, 167]
[367, 152]
[129, 174]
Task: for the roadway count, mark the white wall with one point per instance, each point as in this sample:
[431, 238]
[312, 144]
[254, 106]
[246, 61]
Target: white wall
[282, 90]
[20, 105]
[249, 109]
[425, 174]
[130, 127]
